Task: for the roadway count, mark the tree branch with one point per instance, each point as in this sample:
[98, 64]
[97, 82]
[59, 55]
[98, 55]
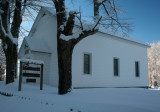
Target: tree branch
[2, 30]
[97, 23]
[80, 20]
[17, 19]
[70, 24]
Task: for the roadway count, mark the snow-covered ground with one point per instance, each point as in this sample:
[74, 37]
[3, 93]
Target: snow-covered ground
[31, 99]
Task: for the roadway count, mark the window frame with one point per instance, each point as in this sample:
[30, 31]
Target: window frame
[118, 68]
[135, 67]
[90, 63]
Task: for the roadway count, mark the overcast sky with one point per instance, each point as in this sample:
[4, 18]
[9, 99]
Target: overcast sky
[144, 14]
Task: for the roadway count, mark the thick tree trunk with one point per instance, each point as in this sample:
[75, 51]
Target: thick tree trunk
[14, 60]
[7, 43]
[65, 50]
[10, 67]
[9, 47]
[15, 29]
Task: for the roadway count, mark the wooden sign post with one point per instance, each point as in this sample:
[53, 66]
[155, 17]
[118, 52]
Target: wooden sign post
[24, 65]
[41, 82]
[20, 77]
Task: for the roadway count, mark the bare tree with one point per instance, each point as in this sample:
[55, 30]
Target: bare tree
[154, 63]
[11, 15]
[9, 35]
[67, 39]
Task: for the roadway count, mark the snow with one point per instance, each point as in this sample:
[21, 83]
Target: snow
[62, 26]
[73, 12]
[8, 35]
[14, 40]
[32, 61]
[36, 44]
[74, 36]
[31, 99]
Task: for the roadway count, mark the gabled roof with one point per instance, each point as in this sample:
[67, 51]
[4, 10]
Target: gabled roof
[37, 45]
[108, 31]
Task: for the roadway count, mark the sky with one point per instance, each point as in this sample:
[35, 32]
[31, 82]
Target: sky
[144, 16]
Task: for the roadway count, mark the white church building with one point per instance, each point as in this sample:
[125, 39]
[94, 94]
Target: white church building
[100, 60]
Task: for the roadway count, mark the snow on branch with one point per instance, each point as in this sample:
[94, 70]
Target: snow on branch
[63, 26]
[24, 8]
[74, 36]
[8, 35]
[14, 40]
[154, 62]
[85, 26]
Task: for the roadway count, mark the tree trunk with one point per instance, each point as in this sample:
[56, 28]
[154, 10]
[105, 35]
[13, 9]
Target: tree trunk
[7, 43]
[65, 50]
[15, 29]
[14, 60]
[10, 48]
[96, 8]
[10, 68]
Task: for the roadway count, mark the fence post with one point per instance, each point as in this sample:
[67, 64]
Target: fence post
[20, 77]
[41, 80]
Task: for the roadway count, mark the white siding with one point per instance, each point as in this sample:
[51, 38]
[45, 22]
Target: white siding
[46, 59]
[103, 49]
[38, 56]
[22, 50]
[46, 29]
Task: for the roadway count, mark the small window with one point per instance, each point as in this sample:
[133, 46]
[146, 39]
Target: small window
[137, 69]
[87, 63]
[26, 49]
[116, 66]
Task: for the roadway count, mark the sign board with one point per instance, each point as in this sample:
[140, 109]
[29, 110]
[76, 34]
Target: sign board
[31, 72]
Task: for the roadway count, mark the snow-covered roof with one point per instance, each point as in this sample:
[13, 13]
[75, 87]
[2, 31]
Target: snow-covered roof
[117, 34]
[38, 45]
[51, 10]
[123, 36]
